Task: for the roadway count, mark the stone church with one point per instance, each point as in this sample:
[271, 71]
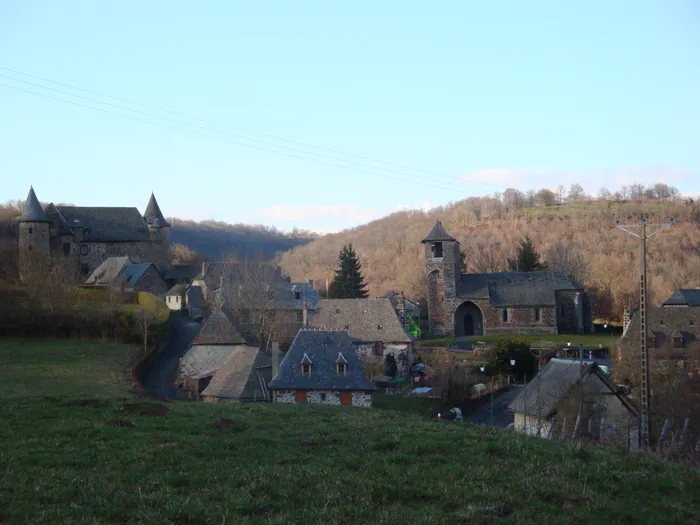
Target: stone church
[459, 304]
[86, 236]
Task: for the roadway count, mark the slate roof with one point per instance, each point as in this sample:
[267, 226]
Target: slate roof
[665, 323]
[32, 209]
[525, 289]
[438, 233]
[118, 271]
[218, 329]
[322, 348]
[154, 214]
[178, 290]
[543, 394]
[361, 318]
[132, 273]
[195, 297]
[182, 272]
[201, 358]
[684, 297]
[242, 376]
[60, 224]
[104, 224]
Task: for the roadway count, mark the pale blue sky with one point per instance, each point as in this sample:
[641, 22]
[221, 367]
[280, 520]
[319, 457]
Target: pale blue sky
[510, 93]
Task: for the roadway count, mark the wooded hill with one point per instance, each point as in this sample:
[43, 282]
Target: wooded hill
[579, 237]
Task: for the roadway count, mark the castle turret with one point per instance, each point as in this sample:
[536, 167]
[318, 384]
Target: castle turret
[444, 273]
[34, 236]
[160, 234]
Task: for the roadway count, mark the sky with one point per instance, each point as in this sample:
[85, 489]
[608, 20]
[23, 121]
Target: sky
[324, 115]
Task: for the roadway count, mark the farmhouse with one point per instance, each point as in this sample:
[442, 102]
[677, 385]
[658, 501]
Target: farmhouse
[504, 302]
[374, 327]
[321, 366]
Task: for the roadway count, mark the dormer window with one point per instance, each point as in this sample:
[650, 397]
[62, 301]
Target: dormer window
[306, 365]
[436, 248]
[341, 365]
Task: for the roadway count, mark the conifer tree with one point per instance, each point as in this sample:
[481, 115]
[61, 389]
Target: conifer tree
[348, 282]
[527, 259]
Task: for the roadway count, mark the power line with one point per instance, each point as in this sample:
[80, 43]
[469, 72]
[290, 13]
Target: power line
[446, 179]
[224, 139]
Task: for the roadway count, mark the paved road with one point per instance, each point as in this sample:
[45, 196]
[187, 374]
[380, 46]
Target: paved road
[501, 417]
[183, 330]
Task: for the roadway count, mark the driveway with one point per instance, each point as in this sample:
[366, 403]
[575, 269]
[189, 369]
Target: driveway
[182, 332]
[501, 417]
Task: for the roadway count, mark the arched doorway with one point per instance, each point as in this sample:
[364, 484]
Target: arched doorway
[468, 320]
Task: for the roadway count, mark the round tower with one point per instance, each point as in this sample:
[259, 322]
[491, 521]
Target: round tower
[34, 238]
[160, 234]
[443, 269]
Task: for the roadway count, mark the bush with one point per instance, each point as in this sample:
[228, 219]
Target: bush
[513, 348]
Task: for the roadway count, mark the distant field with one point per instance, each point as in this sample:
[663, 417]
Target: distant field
[67, 458]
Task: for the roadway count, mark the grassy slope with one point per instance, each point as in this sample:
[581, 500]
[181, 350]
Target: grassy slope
[284, 464]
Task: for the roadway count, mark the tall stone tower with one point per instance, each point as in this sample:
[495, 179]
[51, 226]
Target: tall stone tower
[444, 273]
[34, 238]
[160, 234]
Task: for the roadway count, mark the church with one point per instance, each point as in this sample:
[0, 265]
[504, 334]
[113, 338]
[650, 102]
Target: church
[461, 305]
[86, 236]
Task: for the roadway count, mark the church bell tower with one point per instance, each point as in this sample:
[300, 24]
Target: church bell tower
[444, 273]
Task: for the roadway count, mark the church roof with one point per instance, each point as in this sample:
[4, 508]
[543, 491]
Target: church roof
[684, 297]
[322, 349]
[367, 320]
[524, 289]
[105, 224]
[32, 209]
[154, 214]
[438, 233]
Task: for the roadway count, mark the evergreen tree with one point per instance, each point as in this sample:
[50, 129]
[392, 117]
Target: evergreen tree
[348, 282]
[527, 259]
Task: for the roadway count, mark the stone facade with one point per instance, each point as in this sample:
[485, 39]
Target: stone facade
[402, 353]
[34, 246]
[324, 397]
[92, 254]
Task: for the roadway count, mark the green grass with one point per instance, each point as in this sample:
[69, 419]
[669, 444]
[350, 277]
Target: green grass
[296, 464]
[407, 404]
[588, 340]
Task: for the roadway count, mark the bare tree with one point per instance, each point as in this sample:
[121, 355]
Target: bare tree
[561, 193]
[576, 192]
[604, 194]
[568, 259]
[145, 323]
[546, 197]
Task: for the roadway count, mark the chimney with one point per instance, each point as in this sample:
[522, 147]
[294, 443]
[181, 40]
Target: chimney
[305, 315]
[275, 355]
[205, 267]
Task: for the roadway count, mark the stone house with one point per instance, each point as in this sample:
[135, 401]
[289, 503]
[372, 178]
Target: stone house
[176, 297]
[374, 328]
[459, 304]
[124, 274]
[549, 405]
[243, 377]
[321, 366]
[84, 237]
[216, 341]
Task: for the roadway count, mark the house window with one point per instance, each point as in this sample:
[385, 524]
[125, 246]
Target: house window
[504, 315]
[380, 327]
[677, 341]
[341, 368]
[84, 249]
[323, 396]
[66, 248]
[337, 310]
[85, 269]
[437, 250]
[347, 327]
[297, 295]
[30, 248]
[168, 298]
[31, 230]
[538, 315]
[306, 370]
[378, 349]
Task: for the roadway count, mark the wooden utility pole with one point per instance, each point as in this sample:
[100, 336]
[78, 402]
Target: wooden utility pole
[645, 424]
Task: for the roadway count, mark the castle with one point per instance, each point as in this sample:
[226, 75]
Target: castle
[84, 237]
[504, 302]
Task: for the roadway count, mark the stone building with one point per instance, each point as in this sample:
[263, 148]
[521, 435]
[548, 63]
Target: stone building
[243, 377]
[373, 326]
[459, 304]
[84, 237]
[124, 274]
[321, 366]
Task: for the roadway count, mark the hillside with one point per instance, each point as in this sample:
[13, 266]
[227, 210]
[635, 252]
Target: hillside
[74, 448]
[579, 237]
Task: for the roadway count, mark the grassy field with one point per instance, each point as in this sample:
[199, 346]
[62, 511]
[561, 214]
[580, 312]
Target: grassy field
[588, 340]
[111, 458]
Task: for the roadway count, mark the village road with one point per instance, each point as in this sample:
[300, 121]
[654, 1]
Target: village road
[501, 417]
[183, 332]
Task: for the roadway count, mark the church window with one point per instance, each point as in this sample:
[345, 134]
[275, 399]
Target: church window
[437, 250]
[538, 315]
[504, 315]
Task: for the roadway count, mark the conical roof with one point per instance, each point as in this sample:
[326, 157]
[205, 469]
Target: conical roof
[438, 233]
[154, 214]
[32, 209]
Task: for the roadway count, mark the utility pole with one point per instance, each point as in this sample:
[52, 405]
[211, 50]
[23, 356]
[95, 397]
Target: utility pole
[643, 235]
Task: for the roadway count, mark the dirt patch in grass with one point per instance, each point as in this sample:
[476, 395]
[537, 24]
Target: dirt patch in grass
[121, 423]
[146, 409]
[227, 423]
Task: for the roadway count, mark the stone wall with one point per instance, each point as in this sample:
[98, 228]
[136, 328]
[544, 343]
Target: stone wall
[34, 247]
[284, 396]
[520, 320]
[402, 352]
[362, 399]
[323, 397]
[92, 254]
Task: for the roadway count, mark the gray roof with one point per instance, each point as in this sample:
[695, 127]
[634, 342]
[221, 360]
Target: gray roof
[154, 214]
[516, 288]
[103, 224]
[367, 320]
[178, 289]
[218, 329]
[118, 271]
[59, 221]
[242, 376]
[195, 297]
[32, 209]
[322, 348]
[132, 273]
[204, 358]
[684, 297]
[438, 233]
[555, 381]
[182, 272]
[665, 323]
